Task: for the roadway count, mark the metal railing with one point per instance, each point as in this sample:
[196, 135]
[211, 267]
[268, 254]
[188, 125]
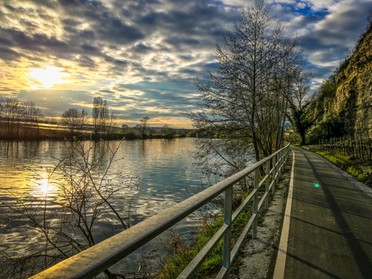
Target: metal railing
[98, 258]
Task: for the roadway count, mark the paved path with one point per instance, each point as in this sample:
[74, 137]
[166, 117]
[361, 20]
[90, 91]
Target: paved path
[330, 224]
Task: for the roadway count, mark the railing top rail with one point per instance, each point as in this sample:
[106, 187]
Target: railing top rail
[101, 256]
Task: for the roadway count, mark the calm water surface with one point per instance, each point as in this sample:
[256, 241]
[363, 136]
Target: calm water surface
[165, 168]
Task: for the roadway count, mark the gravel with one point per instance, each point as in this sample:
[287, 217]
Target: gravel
[257, 256]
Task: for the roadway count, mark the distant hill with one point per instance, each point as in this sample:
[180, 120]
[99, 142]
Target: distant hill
[344, 103]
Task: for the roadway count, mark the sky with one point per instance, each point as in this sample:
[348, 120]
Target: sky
[143, 56]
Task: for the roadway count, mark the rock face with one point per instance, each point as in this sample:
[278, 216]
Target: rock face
[351, 104]
[353, 100]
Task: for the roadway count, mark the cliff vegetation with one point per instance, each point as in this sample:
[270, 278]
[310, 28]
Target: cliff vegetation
[343, 105]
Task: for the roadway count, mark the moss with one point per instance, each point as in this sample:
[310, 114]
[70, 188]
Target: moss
[358, 173]
[338, 160]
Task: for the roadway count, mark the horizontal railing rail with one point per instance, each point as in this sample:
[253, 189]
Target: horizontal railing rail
[101, 256]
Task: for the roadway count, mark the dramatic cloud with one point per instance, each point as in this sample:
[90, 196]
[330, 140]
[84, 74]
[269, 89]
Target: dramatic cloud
[325, 29]
[144, 56]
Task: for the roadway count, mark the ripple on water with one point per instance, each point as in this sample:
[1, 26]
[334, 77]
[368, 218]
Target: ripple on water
[165, 169]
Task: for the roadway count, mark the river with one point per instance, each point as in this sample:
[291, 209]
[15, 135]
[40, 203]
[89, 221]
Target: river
[164, 172]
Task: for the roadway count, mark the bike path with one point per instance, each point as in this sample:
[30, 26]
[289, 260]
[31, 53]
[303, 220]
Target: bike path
[329, 227]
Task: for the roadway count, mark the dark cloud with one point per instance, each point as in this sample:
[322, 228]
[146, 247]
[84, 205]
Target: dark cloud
[35, 43]
[142, 48]
[105, 25]
[183, 42]
[86, 34]
[114, 30]
[86, 61]
[89, 48]
[157, 48]
[4, 41]
[81, 3]
[44, 3]
[8, 54]
[10, 7]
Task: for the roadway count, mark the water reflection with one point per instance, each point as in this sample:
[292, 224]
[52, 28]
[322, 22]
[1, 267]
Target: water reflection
[165, 168]
[43, 188]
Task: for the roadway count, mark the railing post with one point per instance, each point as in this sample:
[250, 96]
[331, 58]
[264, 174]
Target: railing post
[281, 154]
[255, 201]
[275, 169]
[267, 185]
[227, 236]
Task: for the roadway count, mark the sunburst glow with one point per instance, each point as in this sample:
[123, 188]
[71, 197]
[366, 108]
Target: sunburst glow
[45, 187]
[46, 77]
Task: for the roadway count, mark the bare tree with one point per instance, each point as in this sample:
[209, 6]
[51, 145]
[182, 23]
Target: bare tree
[144, 121]
[33, 116]
[32, 113]
[74, 119]
[19, 119]
[111, 123]
[12, 111]
[245, 101]
[100, 115]
[71, 222]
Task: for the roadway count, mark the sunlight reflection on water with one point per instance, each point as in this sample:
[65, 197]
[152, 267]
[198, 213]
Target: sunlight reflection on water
[165, 168]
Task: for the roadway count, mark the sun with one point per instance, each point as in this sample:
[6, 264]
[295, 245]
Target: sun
[45, 187]
[46, 77]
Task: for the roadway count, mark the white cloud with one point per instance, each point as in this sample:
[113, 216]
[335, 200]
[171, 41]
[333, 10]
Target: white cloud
[301, 5]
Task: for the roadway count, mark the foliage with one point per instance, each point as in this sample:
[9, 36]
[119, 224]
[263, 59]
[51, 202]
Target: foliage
[328, 89]
[330, 128]
[184, 254]
[167, 132]
[324, 128]
[299, 104]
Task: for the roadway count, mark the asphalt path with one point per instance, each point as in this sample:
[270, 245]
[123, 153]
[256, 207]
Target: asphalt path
[329, 224]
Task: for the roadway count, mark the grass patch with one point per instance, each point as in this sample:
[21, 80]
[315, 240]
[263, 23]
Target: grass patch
[338, 159]
[184, 254]
[360, 170]
[181, 258]
[361, 174]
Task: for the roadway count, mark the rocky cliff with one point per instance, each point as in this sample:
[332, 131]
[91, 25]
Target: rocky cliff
[349, 107]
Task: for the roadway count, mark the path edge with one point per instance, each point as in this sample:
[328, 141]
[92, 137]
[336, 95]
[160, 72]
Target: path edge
[283, 243]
